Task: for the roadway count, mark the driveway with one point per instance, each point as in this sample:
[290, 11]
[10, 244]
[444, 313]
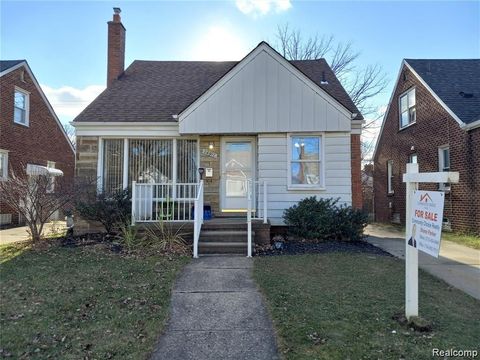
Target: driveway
[217, 312]
[13, 235]
[457, 265]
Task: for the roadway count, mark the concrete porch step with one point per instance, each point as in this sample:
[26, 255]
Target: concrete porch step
[225, 235]
[222, 248]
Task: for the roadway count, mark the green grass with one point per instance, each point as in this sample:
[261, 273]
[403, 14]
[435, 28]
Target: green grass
[340, 306]
[469, 240]
[82, 303]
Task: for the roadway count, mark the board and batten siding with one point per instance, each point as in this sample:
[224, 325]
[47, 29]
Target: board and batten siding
[264, 94]
[272, 167]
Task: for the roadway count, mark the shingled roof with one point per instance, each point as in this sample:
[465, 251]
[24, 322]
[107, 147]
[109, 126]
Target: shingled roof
[455, 82]
[7, 64]
[153, 91]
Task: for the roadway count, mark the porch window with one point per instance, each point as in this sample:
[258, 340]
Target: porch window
[305, 162]
[187, 167]
[113, 165]
[150, 161]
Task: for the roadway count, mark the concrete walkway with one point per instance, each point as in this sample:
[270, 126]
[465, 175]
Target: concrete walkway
[457, 265]
[217, 312]
[17, 234]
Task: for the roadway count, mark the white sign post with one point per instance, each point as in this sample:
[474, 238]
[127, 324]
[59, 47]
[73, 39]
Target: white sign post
[412, 178]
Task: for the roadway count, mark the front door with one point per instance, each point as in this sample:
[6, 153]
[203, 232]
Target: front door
[238, 167]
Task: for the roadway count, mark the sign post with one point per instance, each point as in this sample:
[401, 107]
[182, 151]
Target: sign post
[414, 219]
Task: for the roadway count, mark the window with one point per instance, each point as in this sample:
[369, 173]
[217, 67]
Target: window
[21, 107]
[305, 162]
[113, 165]
[407, 108]
[51, 178]
[3, 165]
[444, 163]
[390, 176]
[150, 161]
[412, 159]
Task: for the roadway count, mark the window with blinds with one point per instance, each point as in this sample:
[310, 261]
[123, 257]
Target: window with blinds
[150, 161]
[113, 165]
[187, 167]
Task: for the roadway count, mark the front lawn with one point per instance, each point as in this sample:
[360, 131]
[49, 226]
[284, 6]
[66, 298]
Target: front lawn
[82, 303]
[340, 306]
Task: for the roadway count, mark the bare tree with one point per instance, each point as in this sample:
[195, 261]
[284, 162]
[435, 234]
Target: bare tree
[70, 130]
[36, 198]
[361, 83]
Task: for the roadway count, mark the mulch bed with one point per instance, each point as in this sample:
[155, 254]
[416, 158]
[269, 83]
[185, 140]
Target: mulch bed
[298, 247]
[90, 239]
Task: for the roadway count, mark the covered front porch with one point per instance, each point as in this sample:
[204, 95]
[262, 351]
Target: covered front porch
[187, 180]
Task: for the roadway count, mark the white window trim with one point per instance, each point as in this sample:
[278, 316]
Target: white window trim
[321, 149]
[441, 186]
[27, 106]
[4, 175]
[410, 157]
[405, 93]
[390, 190]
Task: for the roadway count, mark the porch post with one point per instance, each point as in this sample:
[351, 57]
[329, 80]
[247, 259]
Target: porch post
[125, 163]
[249, 218]
[134, 200]
[264, 201]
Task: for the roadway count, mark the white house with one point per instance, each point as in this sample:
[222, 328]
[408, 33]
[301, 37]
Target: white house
[287, 128]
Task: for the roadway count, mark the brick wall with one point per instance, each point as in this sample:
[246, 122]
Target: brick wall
[356, 160]
[42, 141]
[434, 127]
[116, 49]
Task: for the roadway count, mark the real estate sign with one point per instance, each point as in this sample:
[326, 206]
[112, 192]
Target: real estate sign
[427, 216]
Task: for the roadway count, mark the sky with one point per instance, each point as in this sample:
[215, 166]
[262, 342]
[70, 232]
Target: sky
[65, 42]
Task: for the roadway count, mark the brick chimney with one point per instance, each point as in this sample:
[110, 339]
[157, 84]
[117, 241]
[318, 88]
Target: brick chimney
[116, 47]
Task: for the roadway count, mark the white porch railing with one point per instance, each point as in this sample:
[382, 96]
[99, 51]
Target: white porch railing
[258, 199]
[257, 205]
[164, 201]
[198, 219]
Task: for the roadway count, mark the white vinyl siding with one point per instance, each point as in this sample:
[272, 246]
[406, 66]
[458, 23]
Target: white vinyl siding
[21, 107]
[272, 167]
[265, 96]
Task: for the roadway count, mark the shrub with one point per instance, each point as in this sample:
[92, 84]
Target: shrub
[110, 210]
[162, 237]
[323, 219]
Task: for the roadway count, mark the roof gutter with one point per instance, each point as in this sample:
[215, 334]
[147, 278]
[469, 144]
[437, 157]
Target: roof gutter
[471, 126]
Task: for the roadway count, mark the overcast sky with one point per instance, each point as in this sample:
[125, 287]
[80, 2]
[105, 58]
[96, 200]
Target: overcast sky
[65, 41]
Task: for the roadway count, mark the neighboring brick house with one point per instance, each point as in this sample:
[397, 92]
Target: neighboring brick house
[31, 136]
[439, 128]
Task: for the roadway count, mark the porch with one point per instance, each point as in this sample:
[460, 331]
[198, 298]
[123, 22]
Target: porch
[182, 206]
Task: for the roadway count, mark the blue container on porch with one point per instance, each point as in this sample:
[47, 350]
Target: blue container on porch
[207, 212]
